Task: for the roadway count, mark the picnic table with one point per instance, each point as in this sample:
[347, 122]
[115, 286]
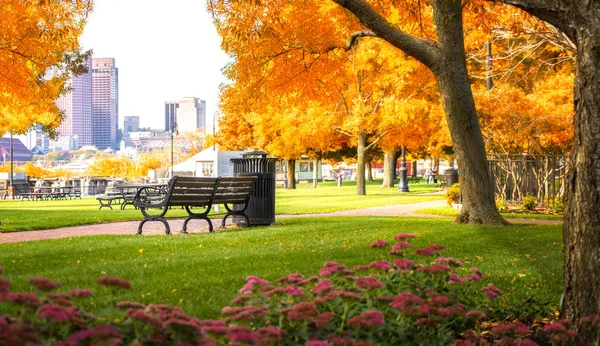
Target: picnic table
[46, 193]
[124, 194]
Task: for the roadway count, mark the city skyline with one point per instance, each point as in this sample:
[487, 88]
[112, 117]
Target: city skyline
[164, 51]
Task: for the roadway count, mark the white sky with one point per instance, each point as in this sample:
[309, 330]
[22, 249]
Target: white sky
[163, 50]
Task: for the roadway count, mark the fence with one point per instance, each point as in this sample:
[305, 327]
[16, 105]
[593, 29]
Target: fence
[542, 176]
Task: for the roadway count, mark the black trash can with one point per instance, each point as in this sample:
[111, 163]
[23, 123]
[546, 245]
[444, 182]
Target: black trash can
[261, 206]
[451, 177]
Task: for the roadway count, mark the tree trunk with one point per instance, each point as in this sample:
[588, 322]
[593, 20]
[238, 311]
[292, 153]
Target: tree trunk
[457, 99]
[316, 173]
[413, 169]
[361, 189]
[581, 234]
[369, 168]
[291, 174]
[389, 168]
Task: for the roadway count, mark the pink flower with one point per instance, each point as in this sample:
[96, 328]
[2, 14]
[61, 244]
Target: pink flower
[292, 278]
[364, 267]
[255, 280]
[430, 250]
[491, 291]
[317, 343]
[367, 319]
[382, 265]
[448, 260]
[247, 289]
[476, 313]
[455, 279]
[322, 320]
[369, 283]
[143, 317]
[80, 293]
[510, 328]
[241, 299]
[425, 322]
[108, 334]
[22, 298]
[435, 268]
[4, 285]
[440, 300]
[476, 272]
[55, 313]
[473, 277]
[403, 236]
[43, 284]
[292, 290]
[114, 281]
[129, 305]
[271, 334]
[404, 263]
[380, 243]
[302, 311]
[406, 298]
[322, 287]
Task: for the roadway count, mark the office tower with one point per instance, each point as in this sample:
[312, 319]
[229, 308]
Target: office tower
[191, 114]
[170, 111]
[77, 108]
[131, 124]
[105, 103]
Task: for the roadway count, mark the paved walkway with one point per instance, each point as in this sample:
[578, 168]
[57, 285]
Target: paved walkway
[151, 228]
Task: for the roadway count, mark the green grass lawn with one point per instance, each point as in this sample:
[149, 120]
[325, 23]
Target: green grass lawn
[449, 211]
[202, 272]
[26, 215]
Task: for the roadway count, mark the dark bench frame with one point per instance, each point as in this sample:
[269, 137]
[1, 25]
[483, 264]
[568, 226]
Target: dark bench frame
[195, 192]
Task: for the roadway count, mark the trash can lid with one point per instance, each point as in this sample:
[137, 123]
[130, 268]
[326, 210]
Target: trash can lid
[254, 154]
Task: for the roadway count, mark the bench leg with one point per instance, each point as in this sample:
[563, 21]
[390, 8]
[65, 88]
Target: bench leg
[167, 228]
[232, 212]
[102, 204]
[193, 216]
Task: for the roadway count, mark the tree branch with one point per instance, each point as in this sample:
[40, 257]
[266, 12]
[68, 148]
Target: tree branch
[426, 51]
[380, 137]
[555, 12]
[354, 38]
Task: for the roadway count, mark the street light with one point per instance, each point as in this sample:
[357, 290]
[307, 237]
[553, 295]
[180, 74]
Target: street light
[12, 187]
[402, 181]
[173, 132]
[216, 116]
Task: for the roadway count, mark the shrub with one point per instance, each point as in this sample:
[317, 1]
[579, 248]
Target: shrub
[453, 194]
[528, 203]
[500, 204]
[557, 205]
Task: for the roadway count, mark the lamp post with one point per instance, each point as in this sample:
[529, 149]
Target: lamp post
[216, 116]
[173, 131]
[402, 181]
[12, 187]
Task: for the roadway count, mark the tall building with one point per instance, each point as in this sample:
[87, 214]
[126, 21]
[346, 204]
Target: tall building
[77, 108]
[191, 114]
[170, 111]
[131, 124]
[105, 103]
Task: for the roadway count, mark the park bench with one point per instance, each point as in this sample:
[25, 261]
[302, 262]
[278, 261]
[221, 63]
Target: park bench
[195, 192]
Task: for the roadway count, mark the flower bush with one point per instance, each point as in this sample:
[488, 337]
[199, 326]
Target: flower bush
[453, 194]
[411, 297]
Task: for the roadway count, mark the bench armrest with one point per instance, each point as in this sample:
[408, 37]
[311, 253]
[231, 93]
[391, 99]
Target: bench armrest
[150, 197]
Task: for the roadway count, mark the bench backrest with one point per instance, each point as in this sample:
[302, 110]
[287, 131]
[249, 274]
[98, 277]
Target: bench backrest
[191, 191]
[233, 190]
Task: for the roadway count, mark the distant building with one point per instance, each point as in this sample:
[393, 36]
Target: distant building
[65, 143]
[77, 108]
[131, 124]
[170, 111]
[105, 103]
[189, 113]
[20, 152]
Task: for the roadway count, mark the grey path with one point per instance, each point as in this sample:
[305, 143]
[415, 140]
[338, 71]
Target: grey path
[152, 228]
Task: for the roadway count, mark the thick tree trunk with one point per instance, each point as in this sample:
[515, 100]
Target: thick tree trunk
[457, 99]
[413, 169]
[316, 173]
[581, 234]
[291, 174]
[361, 189]
[369, 168]
[389, 168]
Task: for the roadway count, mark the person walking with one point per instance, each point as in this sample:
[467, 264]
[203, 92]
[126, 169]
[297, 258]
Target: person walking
[339, 179]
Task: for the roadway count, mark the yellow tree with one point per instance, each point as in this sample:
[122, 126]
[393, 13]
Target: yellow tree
[37, 36]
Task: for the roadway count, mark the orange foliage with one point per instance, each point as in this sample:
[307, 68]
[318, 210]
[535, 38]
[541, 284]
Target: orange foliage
[36, 35]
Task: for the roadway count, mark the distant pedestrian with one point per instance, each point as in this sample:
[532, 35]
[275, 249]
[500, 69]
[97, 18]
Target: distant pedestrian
[339, 179]
[429, 176]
